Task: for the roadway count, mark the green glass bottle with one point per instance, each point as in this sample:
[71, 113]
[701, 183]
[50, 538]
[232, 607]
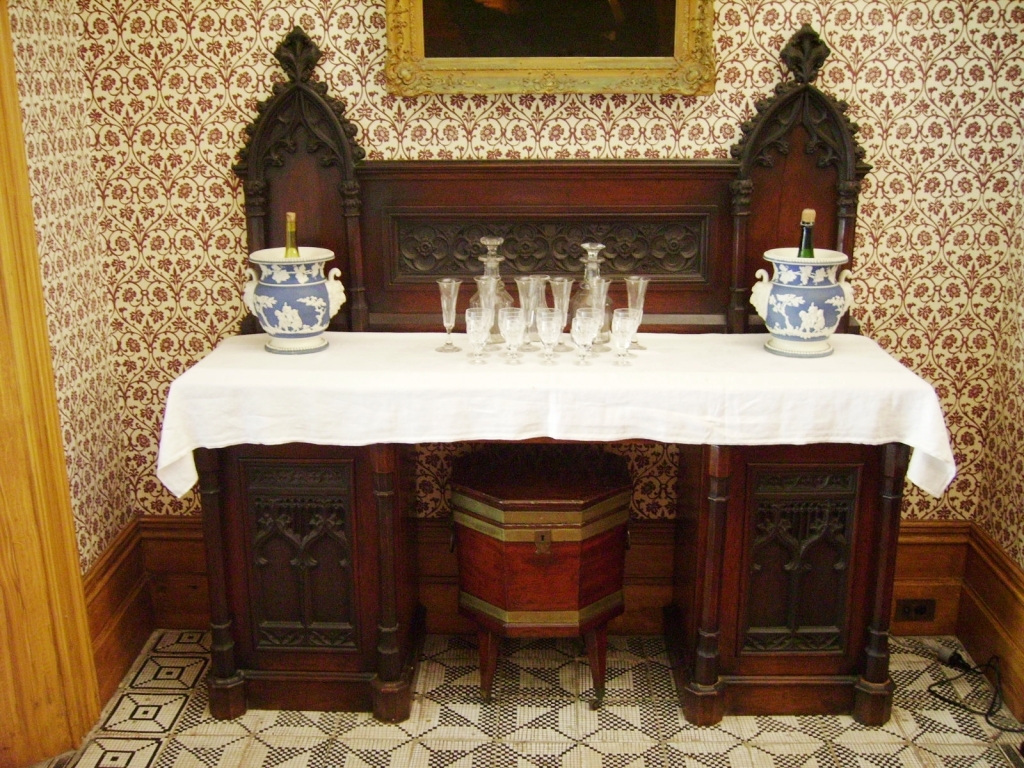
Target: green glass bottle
[291, 250]
[806, 249]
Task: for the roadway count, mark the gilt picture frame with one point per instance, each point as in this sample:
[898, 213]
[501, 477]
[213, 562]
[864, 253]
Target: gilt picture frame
[413, 68]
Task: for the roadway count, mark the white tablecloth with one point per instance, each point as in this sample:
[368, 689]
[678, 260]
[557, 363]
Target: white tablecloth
[712, 389]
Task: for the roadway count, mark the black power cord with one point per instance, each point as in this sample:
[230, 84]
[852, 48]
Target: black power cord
[954, 660]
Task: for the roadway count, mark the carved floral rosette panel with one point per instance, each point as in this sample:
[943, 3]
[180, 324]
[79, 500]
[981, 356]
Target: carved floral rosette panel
[300, 555]
[675, 248]
[798, 558]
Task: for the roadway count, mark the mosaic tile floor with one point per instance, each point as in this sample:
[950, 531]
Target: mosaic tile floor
[539, 718]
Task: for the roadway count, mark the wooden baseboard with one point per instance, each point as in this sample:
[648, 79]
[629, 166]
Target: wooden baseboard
[175, 560]
[119, 608]
[991, 618]
[930, 560]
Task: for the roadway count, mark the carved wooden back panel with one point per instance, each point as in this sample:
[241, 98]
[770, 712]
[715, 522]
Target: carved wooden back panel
[797, 152]
[300, 156]
[697, 228]
[668, 219]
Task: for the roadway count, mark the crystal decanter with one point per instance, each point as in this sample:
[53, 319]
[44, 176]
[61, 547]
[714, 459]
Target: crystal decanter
[592, 290]
[503, 298]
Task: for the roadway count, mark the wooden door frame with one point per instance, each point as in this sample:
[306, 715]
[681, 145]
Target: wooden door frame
[48, 692]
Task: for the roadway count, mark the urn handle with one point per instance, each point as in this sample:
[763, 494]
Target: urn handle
[844, 283]
[759, 293]
[335, 291]
[250, 289]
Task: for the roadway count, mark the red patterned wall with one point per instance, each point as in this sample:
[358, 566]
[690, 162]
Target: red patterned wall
[936, 86]
[68, 212]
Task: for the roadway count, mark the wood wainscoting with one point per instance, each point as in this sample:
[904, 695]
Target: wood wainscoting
[154, 576]
[119, 607]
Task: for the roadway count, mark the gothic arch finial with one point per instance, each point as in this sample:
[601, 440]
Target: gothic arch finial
[298, 55]
[804, 54]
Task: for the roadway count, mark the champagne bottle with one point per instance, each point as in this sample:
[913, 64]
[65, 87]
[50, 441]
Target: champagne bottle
[291, 250]
[806, 249]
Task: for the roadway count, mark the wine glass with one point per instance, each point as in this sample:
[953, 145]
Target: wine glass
[449, 296]
[478, 329]
[512, 324]
[561, 289]
[527, 302]
[538, 286]
[624, 323]
[636, 288]
[549, 329]
[585, 326]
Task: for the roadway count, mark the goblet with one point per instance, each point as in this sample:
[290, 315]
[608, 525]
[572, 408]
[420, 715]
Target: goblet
[623, 327]
[561, 289]
[585, 327]
[478, 329]
[538, 286]
[549, 329]
[636, 288]
[449, 296]
[512, 324]
[527, 302]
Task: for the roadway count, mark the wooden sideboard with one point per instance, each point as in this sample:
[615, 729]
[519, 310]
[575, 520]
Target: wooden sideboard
[785, 554]
[783, 579]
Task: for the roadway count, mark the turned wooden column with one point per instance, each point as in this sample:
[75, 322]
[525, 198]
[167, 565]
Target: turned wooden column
[392, 698]
[226, 685]
[703, 696]
[874, 690]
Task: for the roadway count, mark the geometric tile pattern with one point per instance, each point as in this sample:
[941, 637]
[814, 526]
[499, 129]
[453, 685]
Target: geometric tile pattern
[539, 717]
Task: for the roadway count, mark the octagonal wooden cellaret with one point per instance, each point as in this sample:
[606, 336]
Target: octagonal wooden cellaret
[541, 534]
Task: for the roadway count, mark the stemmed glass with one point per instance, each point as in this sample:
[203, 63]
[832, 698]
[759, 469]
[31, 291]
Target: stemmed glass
[624, 324]
[538, 286]
[561, 288]
[449, 296]
[478, 328]
[512, 324]
[636, 288]
[549, 329]
[527, 302]
[585, 326]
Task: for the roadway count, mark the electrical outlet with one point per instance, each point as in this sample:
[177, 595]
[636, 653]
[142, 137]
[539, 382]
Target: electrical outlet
[915, 610]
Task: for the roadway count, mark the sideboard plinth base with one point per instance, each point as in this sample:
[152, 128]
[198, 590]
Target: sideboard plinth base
[872, 704]
[703, 704]
[227, 697]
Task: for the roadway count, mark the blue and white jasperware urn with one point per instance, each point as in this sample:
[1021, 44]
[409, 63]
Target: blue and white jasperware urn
[292, 299]
[802, 304]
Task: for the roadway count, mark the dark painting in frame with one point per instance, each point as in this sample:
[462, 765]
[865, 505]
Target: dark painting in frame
[521, 46]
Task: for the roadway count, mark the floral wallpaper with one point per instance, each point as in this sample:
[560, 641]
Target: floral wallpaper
[58, 143]
[935, 85]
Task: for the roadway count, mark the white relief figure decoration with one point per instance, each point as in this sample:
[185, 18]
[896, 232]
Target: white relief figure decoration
[812, 320]
[288, 319]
